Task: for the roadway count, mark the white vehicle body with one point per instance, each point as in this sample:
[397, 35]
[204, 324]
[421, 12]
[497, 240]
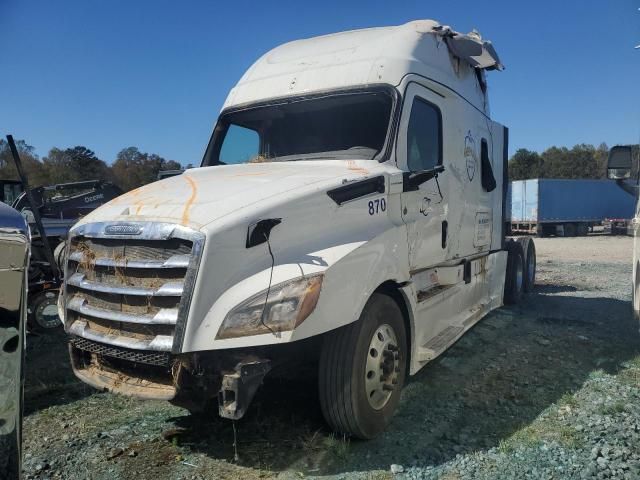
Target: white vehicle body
[620, 167]
[439, 247]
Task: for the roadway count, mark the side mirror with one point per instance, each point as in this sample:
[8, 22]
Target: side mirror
[413, 180]
[619, 163]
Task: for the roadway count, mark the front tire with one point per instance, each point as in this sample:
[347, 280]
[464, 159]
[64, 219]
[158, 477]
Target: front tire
[362, 370]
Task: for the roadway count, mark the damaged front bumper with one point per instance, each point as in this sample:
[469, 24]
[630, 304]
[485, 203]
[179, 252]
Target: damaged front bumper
[239, 387]
[192, 381]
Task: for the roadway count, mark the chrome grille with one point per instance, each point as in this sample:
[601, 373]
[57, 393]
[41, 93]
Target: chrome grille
[131, 293]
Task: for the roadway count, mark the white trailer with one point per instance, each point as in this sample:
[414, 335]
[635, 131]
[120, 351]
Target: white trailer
[349, 208]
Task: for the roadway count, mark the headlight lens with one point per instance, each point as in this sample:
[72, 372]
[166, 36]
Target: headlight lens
[286, 307]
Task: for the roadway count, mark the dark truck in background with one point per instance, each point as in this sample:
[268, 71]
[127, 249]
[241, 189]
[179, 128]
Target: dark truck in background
[565, 208]
[10, 190]
[50, 211]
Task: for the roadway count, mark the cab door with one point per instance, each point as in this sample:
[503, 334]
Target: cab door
[420, 147]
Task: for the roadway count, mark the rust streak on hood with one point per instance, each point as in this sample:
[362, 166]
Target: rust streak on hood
[192, 197]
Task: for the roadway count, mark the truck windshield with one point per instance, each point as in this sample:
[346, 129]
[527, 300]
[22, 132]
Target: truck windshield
[331, 127]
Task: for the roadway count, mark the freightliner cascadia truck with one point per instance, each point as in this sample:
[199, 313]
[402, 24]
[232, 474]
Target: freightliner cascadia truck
[349, 211]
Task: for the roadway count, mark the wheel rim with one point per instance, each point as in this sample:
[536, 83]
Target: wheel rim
[519, 274]
[46, 314]
[383, 366]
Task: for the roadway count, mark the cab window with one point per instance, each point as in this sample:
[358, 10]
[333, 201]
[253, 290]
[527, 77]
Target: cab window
[241, 145]
[424, 136]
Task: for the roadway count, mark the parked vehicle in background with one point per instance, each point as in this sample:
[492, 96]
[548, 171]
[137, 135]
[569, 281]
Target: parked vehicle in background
[59, 206]
[349, 209]
[162, 174]
[14, 260]
[50, 212]
[618, 226]
[565, 208]
[620, 166]
[10, 190]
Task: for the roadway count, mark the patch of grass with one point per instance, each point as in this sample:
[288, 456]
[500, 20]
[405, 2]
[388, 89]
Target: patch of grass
[598, 373]
[505, 446]
[311, 441]
[451, 476]
[631, 372]
[569, 437]
[634, 362]
[612, 408]
[527, 437]
[568, 399]
[379, 476]
[532, 435]
[338, 447]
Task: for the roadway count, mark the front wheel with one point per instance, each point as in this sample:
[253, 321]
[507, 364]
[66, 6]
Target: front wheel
[362, 370]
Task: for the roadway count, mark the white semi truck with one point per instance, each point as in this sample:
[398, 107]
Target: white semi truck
[349, 210]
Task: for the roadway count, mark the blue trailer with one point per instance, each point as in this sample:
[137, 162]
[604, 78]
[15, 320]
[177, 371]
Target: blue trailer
[565, 207]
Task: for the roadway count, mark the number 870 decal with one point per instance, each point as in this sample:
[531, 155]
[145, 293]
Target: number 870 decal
[376, 206]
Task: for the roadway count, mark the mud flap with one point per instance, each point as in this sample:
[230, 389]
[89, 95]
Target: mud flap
[239, 387]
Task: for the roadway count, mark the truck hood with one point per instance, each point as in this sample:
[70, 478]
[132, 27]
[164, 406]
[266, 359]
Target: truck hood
[202, 195]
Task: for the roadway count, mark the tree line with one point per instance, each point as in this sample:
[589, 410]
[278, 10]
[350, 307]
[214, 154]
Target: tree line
[131, 168]
[581, 161]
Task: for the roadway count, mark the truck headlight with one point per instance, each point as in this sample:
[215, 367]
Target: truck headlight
[287, 306]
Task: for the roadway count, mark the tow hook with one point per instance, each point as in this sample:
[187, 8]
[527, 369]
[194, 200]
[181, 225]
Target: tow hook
[239, 387]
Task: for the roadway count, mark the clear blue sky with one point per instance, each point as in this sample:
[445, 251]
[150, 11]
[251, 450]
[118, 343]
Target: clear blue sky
[154, 74]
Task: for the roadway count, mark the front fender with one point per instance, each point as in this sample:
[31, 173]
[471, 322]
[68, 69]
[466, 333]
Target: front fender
[352, 272]
[349, 283]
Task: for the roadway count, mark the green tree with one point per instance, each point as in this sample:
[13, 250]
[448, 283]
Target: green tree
[134, 168]
[601, 156]
[581, 161]
[525, 164]
[75, 164]
[32, 165]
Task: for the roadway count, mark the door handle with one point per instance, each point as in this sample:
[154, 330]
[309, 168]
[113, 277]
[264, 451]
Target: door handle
[445, 227]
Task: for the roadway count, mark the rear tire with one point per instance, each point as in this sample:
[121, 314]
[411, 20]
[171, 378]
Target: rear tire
[569, 230]
[529, 251]
[514, 276]
[362, 370]
[583, 229]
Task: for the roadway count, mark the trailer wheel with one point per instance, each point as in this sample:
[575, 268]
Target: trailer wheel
[515, 275]
[569, 230]
[529, 251]
[362, 370]
[583, 230]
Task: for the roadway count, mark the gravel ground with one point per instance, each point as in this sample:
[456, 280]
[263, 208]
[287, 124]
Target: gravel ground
[547, 389]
